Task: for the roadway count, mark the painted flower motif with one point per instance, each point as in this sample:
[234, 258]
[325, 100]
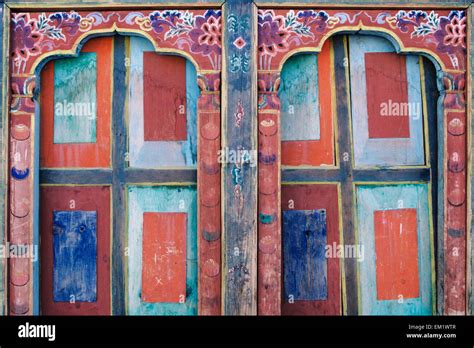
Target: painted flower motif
[451, 35]
[456, 32]
[206, 34]
[25, 37]
[272, 34]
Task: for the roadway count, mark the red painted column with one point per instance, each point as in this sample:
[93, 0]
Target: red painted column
[455, 192]
[209, 193]
[269, 212]
[20, 215]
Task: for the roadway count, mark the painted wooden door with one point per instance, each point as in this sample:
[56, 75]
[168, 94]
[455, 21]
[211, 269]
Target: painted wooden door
[359, 180]
[118, 194]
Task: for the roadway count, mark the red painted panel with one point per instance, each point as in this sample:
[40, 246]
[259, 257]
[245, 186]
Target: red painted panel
[309, 197]
[396, 250]
[387, 91]
[164, 97]
[91, 198]
[316, 152]
[86, 155]
[164, 257]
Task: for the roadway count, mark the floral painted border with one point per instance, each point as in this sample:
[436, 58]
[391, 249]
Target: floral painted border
[196, 32]
[442, 32]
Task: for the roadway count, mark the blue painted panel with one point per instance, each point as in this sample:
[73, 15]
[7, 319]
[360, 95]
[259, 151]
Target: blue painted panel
[386, 197]
[75, 110]
[75, 256]
[300, 98]
[305, 265]
[141, 199]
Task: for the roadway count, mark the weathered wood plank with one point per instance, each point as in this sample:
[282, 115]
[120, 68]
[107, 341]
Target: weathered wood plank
[323, 199]
[3, 157]
[240, 179]
[471, 98]
[374, 297]
[74, 256]
[163, 199]
[68, 286]
[75, 99]
[60, 151]
[147, 74]
[381, 152]
[350, 288]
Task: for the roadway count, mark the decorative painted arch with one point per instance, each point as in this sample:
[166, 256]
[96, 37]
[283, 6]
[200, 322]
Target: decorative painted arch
[41, 36]
[438, 34]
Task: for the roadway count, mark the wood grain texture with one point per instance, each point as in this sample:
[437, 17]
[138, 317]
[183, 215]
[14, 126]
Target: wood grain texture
[164, 97]
[166, 199]
[65, 203]
[314, 152]
[74, 256]
[396, 254]
[391, 197]
[383, 152]
[144, 150]
[163, 257]
[76, 154]
[240, 179]
[299, 98]
[75, 99]
[386, 82]
[305, 265]
[322, 198]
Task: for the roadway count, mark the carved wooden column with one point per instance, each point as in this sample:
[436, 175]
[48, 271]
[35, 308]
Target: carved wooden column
[209, 185]
[22, 112]
[269, 226]
[454, 104]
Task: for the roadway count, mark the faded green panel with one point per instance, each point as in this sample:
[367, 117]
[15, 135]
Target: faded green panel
[162, 199]
[75, 107]
[299, 97]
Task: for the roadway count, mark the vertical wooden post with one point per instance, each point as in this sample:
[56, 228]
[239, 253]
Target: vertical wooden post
[239, 167]
[269, 210]
[21, 181]
[455, 233]
[209, 183]
[3, 156]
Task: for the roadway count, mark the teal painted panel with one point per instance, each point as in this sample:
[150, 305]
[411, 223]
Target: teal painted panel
[178, 199]
[387, 197]
[75, 101]
[299, 97]
[154, 154]
[383, 151]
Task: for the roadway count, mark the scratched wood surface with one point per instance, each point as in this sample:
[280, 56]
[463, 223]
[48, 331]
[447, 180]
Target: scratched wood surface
[70, 257]
[75, 99]
[142, 200]
[3, 149]
[322, 295]
[375, 298]
[146, 148]
[383, 151]
[318, 89]
[240, 180]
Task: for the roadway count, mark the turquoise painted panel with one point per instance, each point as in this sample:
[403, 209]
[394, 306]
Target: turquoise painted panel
[161, 199]
[300, 98]
[75, 110]
[386, 197]
[383, 152]
[154, 154]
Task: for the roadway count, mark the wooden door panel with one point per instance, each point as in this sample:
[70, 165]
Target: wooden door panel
[394, 226]
[75, 250]
[311, 277]
[162, 110]
[169, 214]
